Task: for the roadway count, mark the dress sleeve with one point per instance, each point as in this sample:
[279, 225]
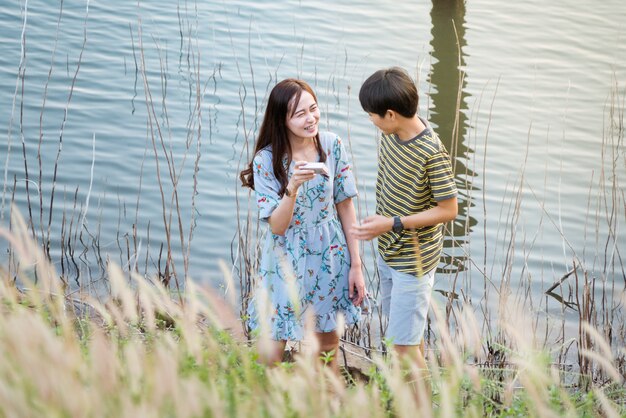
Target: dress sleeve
[266, 185]
[440, 176]
[344, 183]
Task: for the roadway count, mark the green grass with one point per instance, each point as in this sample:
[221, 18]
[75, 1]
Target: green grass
[143, 353]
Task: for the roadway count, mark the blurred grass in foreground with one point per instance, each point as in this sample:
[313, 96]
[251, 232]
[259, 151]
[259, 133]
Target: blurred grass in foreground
[144, 354]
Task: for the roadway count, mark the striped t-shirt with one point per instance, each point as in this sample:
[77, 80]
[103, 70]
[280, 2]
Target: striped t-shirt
[412, 176]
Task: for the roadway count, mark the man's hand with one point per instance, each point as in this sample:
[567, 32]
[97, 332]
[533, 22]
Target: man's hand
[371, 227]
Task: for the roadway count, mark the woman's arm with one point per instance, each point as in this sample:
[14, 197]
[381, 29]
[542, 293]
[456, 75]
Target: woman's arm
[281, 217]
[347, 216]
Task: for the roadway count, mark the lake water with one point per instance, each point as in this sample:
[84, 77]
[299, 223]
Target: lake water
[537, 146]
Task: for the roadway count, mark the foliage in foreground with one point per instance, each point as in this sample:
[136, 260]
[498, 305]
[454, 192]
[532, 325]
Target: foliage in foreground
[144, 353]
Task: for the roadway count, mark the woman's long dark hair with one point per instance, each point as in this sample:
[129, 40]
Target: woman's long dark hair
[273, 131]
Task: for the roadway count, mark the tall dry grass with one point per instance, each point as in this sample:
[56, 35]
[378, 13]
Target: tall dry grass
[145, 353]
[58, 216]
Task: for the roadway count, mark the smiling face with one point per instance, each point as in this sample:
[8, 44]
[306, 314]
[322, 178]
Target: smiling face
[302, 121]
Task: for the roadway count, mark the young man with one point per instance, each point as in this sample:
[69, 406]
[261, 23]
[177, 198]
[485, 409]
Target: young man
[415, 195]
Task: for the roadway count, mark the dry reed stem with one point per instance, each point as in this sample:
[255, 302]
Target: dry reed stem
[601, 311]
[135, 366]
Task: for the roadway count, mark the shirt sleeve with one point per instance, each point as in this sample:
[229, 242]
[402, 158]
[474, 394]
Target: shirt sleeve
[440, 176]
[266, 185]
[344, 184]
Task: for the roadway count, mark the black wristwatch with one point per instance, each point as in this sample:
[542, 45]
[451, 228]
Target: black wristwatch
[397, 225]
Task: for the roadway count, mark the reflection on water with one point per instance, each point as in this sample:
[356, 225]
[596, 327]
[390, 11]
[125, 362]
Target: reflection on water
[447, 114]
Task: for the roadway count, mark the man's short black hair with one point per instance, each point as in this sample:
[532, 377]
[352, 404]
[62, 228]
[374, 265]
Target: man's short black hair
[389, 89]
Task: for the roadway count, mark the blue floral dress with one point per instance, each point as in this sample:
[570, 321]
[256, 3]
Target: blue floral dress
[307, 268]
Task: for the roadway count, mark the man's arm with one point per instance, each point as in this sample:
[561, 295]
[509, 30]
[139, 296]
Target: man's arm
[373, 226]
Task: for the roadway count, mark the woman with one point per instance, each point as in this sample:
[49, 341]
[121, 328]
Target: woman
[310, 247]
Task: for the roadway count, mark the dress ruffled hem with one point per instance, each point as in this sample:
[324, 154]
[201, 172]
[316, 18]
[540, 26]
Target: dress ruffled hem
[280, 330]
[293, 330]
[328, 322]
[287, 330]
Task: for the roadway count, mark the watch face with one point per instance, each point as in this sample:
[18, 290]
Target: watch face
[397, 224]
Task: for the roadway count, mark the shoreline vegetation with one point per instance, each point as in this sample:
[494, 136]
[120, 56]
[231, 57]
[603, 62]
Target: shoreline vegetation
[146, 353]
[84, 332]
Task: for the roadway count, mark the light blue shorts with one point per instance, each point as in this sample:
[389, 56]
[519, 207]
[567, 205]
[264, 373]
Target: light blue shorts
[405, 302]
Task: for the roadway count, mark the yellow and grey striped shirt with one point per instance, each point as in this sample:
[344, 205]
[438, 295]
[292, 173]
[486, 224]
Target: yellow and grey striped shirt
[412, 176]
